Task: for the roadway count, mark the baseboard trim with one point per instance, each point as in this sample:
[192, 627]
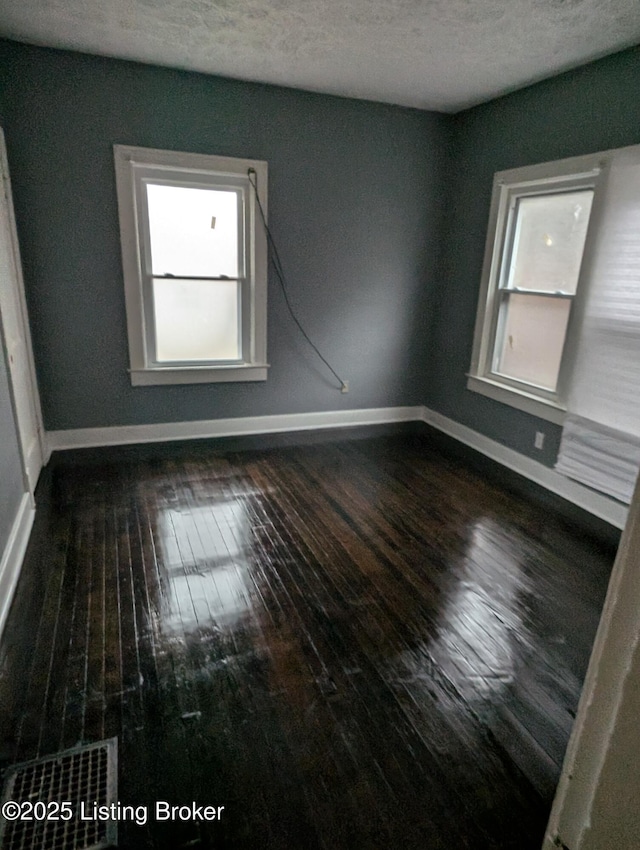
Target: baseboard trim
[13, 555]
[33, 462]
[84, 438]
[594, 503]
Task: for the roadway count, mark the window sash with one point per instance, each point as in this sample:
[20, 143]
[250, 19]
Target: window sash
[513, 225]
[181, 180]
[186, 363]
[499, 330]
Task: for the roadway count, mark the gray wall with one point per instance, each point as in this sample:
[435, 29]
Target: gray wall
[355, 196]
[380, 214]
[594, 108]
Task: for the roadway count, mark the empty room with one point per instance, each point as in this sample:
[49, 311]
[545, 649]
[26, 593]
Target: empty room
[319, 425]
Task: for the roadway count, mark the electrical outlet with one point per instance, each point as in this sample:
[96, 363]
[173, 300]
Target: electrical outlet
[345, 387]
[539, 440]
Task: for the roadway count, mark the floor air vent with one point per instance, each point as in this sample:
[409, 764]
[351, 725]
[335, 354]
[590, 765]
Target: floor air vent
[85, 778]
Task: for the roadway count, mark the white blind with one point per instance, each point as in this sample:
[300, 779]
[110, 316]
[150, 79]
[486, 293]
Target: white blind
[602, 433]
[599, 457]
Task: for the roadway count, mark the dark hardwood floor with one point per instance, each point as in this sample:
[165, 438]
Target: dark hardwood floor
[360, 644]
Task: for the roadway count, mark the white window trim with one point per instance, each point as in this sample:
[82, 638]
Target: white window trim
[143, 371]
[576, 172]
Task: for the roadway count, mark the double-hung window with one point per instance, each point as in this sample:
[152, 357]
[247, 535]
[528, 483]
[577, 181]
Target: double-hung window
[526, 323]
[195, 265]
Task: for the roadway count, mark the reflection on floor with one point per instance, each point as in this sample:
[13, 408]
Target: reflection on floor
[361, 644]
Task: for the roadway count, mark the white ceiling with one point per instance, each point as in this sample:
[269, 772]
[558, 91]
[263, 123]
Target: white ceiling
[433, 54]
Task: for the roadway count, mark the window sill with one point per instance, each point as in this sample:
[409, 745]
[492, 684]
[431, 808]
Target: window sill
[517, 398]
[160, 375]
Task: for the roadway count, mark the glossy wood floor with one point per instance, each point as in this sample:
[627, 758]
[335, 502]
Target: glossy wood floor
[361, 644]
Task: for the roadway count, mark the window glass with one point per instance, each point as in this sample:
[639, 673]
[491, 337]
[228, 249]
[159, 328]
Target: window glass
[548, 241]
[196, 320]
[193, 231]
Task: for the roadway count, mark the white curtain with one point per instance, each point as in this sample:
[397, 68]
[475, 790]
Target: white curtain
[601, 438]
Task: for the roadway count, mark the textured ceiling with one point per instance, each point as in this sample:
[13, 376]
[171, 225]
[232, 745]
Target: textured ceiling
[433, 54]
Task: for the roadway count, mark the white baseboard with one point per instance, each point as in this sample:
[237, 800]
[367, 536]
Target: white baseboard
[601, 506]
[243, 426]
[607, 509]
[13, 555]
[33, 462]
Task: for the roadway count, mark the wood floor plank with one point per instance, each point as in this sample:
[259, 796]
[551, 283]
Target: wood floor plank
[37, 659]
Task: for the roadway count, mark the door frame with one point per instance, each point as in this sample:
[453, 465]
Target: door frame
[600, 771]
[22, 381]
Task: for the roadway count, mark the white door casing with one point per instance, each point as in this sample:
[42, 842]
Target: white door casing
[17, 337]
[596, 806]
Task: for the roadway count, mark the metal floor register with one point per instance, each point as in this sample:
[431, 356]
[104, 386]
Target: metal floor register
[83, 777]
